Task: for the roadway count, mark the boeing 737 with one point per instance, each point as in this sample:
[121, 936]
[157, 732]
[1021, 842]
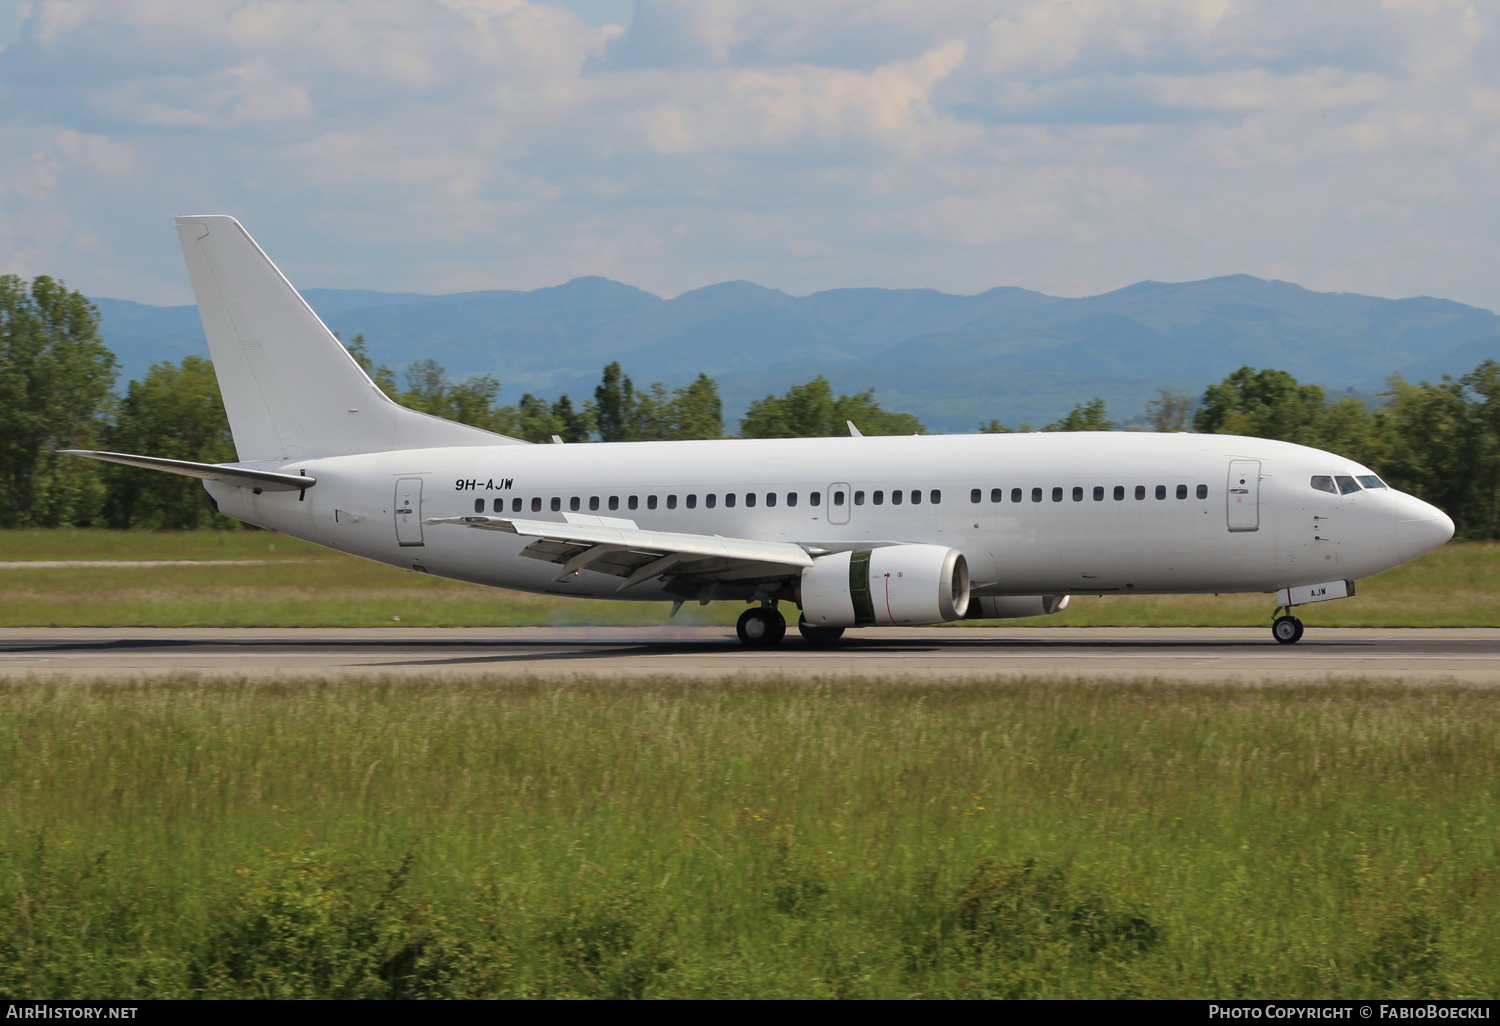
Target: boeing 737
[856, 531]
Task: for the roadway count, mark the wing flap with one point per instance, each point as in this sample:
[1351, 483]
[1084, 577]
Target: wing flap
[639, 555]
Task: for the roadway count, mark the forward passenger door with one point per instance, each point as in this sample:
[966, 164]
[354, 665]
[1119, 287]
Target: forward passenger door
[1243, 495]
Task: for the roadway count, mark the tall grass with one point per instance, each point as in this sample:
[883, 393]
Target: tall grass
[742, 838]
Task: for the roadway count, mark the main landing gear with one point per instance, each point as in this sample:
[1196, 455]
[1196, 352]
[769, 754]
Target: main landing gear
[1286, 629]
[818, 636]
[764, 627]
[761, 627]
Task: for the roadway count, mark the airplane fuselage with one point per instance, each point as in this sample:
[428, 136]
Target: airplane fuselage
[1033, 514]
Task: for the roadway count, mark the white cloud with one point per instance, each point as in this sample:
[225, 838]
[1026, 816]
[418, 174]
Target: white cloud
[1066, 145]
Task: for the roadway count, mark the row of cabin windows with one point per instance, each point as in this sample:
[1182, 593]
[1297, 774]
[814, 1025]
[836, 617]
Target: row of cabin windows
[1018, 494]
[612, 502]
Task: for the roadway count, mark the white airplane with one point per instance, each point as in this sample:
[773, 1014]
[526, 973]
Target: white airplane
[856, 531]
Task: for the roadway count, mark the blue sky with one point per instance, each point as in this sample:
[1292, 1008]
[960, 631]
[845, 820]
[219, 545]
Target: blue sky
[1070, 146]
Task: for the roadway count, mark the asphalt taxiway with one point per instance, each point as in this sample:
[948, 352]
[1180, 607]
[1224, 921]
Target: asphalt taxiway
[1469, 656]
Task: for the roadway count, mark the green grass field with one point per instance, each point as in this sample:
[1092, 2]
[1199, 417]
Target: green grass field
[306, 586]
[747, 839]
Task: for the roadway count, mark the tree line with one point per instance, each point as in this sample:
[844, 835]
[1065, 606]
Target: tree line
[1440, 441]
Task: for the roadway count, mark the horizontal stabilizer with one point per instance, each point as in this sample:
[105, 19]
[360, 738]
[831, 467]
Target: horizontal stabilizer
[241, 477]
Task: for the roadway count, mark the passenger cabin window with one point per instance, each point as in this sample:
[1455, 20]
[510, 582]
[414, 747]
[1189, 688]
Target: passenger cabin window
[877, 497]
[1098, 493]
[650, 502]
[594, 502]
[770, 498]
[614, 502]
[749, 499]
[1140, 492]
[1202, 491]
[1119, 492]
[1324, 483]
[976, 494]
[1077, 494]
[634, 502]
[1036, 495]
[1056, 494]
[536, 505]
[729, 500]
[1161, 491]
[895, 496]
[814, 498]
[1371, 481]
[1182, 491]
[710, 500]
[478, 505]
[935, 496]
[515, 505]
[1015, 495]
[791, 498]
[692, 502]
[1347, 485]
[838, 497]
[575, 503]
[997, 494]
[556, 503]
[671, 502]
[916, 496]
[859, 498]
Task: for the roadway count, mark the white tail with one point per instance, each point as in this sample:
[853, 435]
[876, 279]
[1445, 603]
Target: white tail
[290, 388]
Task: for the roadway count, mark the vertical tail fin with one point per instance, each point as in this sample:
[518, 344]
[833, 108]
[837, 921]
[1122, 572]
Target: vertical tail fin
[290, 388]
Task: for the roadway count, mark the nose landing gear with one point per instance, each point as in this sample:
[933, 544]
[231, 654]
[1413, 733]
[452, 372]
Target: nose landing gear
[1286, 629]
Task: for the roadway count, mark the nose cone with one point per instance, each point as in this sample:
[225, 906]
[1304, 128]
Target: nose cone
[1420, 528]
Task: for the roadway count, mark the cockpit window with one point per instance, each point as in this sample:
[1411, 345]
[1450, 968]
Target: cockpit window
[1347, 484]
[1371, 481]
[1324, 483]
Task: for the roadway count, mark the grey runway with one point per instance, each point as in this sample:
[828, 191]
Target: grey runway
[1469, 656]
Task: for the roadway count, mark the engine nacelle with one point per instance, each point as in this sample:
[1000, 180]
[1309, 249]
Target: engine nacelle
[891, 586]
[1010, 607]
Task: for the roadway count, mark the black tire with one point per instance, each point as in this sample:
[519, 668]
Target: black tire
[1287, 630]
[760, 627]
[815, 635]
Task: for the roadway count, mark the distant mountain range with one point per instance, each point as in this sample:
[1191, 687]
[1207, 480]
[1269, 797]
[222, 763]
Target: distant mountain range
[954, 361]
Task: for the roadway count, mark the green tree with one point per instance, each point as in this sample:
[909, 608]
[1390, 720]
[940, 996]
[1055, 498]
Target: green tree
[812, 411]
[621, 413]
[175, 411]
[55, 379]
[698, 412]
[1261, 403]
[1089, 416]
[573, 425]
[1434, 452]
[1171, 411]
[614, 406]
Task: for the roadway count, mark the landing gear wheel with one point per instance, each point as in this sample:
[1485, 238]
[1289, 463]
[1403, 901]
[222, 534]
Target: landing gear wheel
[815, 635]
[1287, 630]
[761, 627]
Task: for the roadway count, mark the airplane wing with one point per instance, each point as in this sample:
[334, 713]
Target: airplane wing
[615, 546]
[243, 477]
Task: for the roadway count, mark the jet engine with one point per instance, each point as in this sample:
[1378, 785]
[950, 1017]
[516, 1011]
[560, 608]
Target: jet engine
[889, 586]
[1010, 607]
